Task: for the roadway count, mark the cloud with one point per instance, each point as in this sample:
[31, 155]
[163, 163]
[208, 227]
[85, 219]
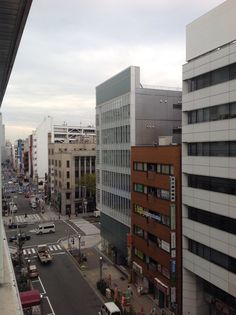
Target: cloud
[67, 50]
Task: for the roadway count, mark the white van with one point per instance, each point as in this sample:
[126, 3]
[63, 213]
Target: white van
[109, 308]
[46, 228]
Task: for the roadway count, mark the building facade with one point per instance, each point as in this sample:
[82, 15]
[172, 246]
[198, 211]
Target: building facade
[209, 164]
[126, 115]
[68, 163]
[156, 223]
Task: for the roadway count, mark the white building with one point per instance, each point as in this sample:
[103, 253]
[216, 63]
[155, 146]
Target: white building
[209, 164]
[59, 134]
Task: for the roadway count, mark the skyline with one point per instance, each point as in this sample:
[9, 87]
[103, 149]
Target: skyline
[66, 52]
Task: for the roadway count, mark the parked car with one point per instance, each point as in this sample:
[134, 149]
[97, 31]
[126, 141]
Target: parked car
[33, 271]
[22, 237]
[15, 225]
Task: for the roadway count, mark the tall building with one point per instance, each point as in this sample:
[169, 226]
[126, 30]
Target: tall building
[68, 163]
[156, 224]
[209, 164]
[127, 114]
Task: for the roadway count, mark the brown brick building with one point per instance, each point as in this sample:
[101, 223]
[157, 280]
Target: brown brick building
[156, 223]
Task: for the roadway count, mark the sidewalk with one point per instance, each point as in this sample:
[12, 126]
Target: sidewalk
[91, 272]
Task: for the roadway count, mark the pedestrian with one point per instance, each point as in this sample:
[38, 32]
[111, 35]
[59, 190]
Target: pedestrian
[153, 311]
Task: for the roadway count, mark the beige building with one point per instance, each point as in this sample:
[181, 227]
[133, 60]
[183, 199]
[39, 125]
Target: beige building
[67, 163]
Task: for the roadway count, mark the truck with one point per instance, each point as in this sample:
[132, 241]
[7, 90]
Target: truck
[44, 254]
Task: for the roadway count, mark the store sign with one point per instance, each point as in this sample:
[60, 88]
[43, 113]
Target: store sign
[138, 269]
[173, 253]
[173, 240]
[172, 217]
[161, 286]
[165, 246]
[172, 188]
[173, 294]
[140, 210]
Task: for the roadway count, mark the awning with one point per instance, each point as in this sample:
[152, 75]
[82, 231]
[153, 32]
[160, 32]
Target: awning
[30, 298]
[161, 286]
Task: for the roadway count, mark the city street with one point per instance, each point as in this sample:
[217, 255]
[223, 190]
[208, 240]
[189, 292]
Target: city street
[64, 289]
[61, 284]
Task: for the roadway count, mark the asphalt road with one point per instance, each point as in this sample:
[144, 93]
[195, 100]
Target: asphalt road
[67, 290]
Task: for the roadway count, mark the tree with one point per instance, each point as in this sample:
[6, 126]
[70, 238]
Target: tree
[89, 181]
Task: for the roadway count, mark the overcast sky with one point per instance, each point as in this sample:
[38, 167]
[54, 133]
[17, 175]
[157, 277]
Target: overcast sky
[70, 47]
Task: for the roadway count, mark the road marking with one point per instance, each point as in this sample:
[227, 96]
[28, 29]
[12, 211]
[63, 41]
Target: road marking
[33, 250]
[24, 252]
[50, 247]
[59, 247]
[54, 246]
[39, 279]
[59, 253]
[46, 297]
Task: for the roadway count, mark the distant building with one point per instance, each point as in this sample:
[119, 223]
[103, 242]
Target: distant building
[156, 243]
[127, 114]
[59, 134]
[68, 163]
[209, 164]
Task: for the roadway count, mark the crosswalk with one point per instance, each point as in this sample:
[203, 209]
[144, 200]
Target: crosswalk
[30, 219]
[32, 251]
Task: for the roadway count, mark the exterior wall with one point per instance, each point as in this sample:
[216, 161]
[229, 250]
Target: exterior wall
[123, 112]
[208, 32]
[219, 30]
[156, 116]
[69, 134]
[159, 219]
[60, 185]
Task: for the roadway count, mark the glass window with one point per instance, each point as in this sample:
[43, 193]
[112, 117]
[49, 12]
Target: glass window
[232, 148]
[232, 71]
[220, 75]
[151, 167]
[67, 163]
[165, 169]
[139, 188]
[233, 110]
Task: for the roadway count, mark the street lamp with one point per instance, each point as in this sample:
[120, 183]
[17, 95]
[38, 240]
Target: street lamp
[79, 236]
[100, 264]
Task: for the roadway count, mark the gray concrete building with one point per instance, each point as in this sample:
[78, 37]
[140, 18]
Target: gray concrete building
[209, 164]
[127, 114]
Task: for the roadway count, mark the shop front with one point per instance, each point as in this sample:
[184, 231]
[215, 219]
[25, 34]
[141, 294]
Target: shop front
[161, 293]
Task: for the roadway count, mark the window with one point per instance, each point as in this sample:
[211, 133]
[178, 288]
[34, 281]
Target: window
[212, 255]
[67, 174]
[151, 167]
[59, 163]
[219, 148]
[139, 188]
[222, 185]
[68, 185]
[67, 163]
[138, 231]
[211, 219]
[139, 166]
[67, 196]
[139, 253]
[212, 78]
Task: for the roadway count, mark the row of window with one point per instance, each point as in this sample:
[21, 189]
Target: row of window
[151, 263]
[116, 114]
[120, 158]
[154, 167]
[153, 191]
[211, 219]
[116, 180]
[154, 215]
[151, 238]
[212, 255]
[214, 77]
[217, 148]
[116, 135]
[221, 185]
[213, 113]
[115, 202]
[52, 162]
[84, 161]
